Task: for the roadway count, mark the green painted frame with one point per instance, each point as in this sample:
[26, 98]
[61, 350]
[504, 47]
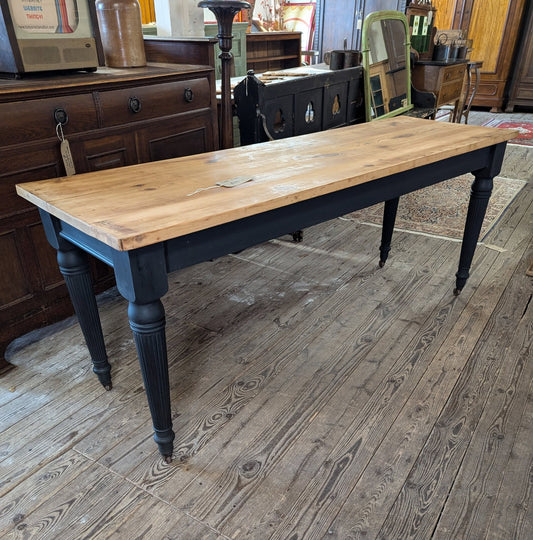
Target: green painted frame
[369, 20]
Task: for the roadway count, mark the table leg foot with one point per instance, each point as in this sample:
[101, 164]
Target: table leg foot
[298, 236]
[74, 266]
[389, 218]
[165, 443]
[147, 322]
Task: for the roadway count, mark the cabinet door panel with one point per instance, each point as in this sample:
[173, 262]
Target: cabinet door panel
[308, 111]
[11, 265]
[32, 162]
[104, 151]
[21, 268]
[49, 274]
[175, 137]
[484, 49]
[279, 113]
[335, 105]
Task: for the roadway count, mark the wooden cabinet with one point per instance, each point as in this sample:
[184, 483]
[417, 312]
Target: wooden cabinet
[494, 26]
[299, 105]
[446, 81]
[111, 118]
[267, 51]
[521, 90]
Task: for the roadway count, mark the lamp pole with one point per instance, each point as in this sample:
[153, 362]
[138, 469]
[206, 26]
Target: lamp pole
[225, 11]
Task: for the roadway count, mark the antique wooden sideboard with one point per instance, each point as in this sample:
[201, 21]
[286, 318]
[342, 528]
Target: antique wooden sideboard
[110, 118]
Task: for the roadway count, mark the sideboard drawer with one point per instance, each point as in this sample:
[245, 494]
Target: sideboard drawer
[153, 101]
[26, 121]
[454, 73]
[450, 92]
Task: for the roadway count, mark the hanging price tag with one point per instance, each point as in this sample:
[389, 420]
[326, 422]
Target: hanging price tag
[66, 154]
[67, 158]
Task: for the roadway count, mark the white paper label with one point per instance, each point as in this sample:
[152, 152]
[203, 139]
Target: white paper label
[67, 158]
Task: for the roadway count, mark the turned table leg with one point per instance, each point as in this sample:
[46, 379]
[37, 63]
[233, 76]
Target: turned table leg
[389, 218]
[142, 280]
[74, 266]
[479, 200]
[147, 322]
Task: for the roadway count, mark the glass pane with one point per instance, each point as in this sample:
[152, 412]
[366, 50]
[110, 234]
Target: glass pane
[386, 43]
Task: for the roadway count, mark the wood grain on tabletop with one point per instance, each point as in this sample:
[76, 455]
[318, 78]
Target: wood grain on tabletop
[134, 206]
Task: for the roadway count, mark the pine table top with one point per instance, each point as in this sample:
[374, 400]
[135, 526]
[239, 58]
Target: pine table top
[131, 207]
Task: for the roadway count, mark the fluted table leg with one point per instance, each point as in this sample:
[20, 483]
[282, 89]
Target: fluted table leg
[74, 266]
[147, 322]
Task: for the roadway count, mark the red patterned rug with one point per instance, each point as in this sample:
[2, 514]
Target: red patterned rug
[525, 128]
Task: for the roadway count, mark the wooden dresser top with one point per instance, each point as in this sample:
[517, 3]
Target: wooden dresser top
[32, 86]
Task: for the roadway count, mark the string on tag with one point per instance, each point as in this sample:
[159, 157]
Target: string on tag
[59, 132]
[229, 183]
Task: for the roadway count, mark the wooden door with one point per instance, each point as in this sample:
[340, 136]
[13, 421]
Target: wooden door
[494, 27]
[521, 92]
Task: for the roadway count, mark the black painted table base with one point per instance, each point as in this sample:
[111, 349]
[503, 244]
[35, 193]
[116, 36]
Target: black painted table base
[141, 274]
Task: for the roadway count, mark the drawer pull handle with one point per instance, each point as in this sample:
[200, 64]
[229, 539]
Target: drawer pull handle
[134, 104]
[188, 95]
[60, 116]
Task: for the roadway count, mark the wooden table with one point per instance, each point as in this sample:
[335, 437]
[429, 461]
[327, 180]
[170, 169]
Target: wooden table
[151, 219]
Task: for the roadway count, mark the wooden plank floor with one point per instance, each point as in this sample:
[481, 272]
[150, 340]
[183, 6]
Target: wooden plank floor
[314, 396]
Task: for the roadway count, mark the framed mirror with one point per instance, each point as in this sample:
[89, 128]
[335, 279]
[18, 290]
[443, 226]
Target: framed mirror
[387, 72]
